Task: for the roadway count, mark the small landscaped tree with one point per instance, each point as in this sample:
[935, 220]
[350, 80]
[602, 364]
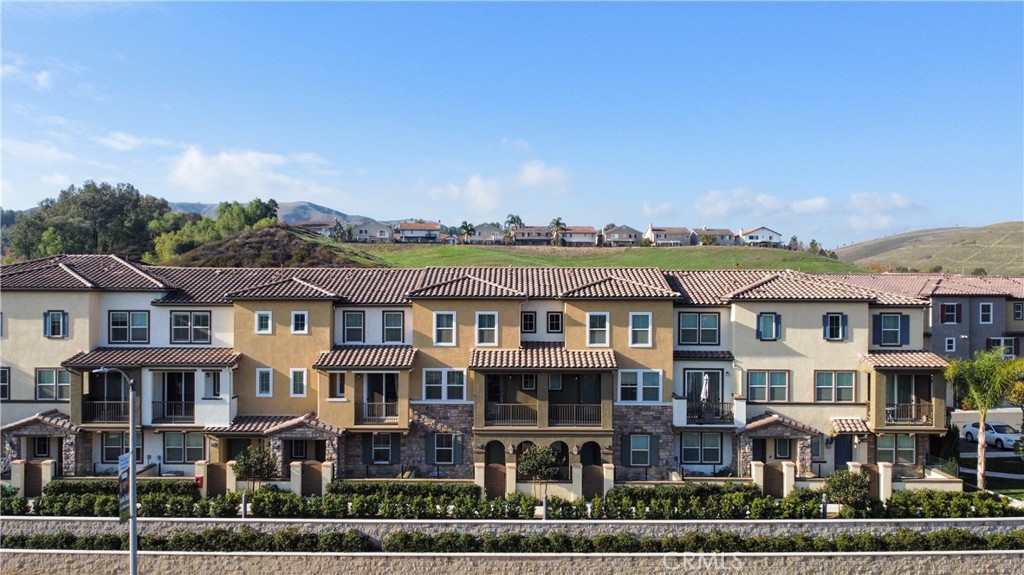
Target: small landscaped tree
[256, 465]
[984, 382]
[540, 465]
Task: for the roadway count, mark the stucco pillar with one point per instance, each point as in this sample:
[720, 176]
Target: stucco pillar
[577, 481]
[326, 476]
[200, 474]
[478, 477]
[230, 478]
[510, 478]
[609, 477]
[885, 481]
[854, 466]
[788, 477]
[757, 474]
[295, 477]
[49, 472]
[18, 476]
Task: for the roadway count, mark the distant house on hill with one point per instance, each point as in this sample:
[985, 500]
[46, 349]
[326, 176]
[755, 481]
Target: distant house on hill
[322, 227]
[579, 236]
[419, 232]
[670, 237]
[372, 232]
[761, 237]
[532, 236]
[721, 236]
[621, 236]
[486, 234]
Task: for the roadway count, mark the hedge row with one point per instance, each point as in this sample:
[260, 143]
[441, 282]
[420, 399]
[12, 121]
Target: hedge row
[185, 487]
[290, 540]
[445, 489]
[383, 506]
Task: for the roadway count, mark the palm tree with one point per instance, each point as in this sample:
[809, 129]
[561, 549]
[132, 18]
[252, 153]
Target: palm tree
[513, 221]
[465, 230]
[557, 227]
[984, 382]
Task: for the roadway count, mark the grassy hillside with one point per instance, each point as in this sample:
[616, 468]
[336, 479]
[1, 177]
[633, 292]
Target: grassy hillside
[283, 245]
[998, 248]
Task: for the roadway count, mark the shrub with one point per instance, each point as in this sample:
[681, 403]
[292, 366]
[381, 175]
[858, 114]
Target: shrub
[449, 490]
[268, 503]
[848, 488]
[11, 505]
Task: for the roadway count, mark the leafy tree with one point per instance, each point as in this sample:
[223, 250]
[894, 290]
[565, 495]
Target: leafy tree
[557, 228]
[794, 243]
[707, 240]
[256, 465]
[465, 230]
[984, 382]
[338, 232]
[540, 464]
[512, 221]
[349, 232]
[1016, 396]
[608, 226]
[979, 272]
[232, 217]
[813, 247]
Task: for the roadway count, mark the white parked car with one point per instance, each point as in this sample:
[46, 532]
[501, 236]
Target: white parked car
[1001, 435]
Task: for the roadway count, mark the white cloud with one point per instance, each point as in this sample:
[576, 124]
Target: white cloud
[718, 204]
[57, 180]
[537, 174]
[658, 210]
[518, 145]
[35, 151]
[869, 212]
[43, 80]
[241, 175]
[125, 142]
[810, 206]
[482, 195]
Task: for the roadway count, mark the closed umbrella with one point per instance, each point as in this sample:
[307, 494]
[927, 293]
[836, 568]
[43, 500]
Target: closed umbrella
[705, 390]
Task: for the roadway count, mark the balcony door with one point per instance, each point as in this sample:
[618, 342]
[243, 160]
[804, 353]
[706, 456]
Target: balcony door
[381, 388]
[179, 387]
[695, 385]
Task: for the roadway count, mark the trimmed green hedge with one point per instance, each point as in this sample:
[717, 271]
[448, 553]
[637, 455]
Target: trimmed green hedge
[185, 487]
[446, 489]
[208, 540]
[385, 506]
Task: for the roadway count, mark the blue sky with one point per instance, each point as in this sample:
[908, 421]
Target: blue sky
[834, 121]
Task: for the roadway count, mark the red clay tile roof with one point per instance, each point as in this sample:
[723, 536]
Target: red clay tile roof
[545, 355]
[419, 226]
[903, 360]
[545, 283]
[154, 357]
[849, 425]
[701, 355]
[367, 356]
[719, 287]
[770, 418]
[291, 288]
[926, 285]
[467, 286]
[52, 417]
[580, 230]
[79, 272]
[270, 424]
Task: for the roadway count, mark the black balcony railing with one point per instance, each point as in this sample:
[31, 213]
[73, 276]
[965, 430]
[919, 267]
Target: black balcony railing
[708, 412]
[379, 413]
[511, 414]
[908, 413]
[174, 411]
[105, 412]
[574, 414]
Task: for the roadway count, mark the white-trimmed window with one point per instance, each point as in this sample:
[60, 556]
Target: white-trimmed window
[640, 329]
[698, 328]
[355, 326]
[444, 385]
[211, 384]
[300, 322]
[297, 376]
[1018, 311]
[833, 326]
[264, 382]
[128, 327]
[264, 322]
[5, 383]
[194, 326]
[554, 322]
[115, 443]
[487, 328]
[1007, 343]
[337, 389]
[950, 344]
[529, 381]
[444, 449]
[769, 326]
[298, 450]
[896, 448]
[950, 312]
[767, 385]
[381, 448]
[528, 322]
[837, 386]
[182, 447]
[394, 327]
[782, 448]
[53, 384]
[700, 448]
[444, 328]
[55, 324]
[639, 385]
[816, 454]
[597, 329]
[891, 328]
[985, 312]
[640, 450]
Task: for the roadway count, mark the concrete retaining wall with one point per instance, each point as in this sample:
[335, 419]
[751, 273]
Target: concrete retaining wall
[379, 529]
[115, 563]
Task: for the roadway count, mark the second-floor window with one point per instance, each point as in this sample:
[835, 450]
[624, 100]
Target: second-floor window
[264, 382]
[5, 383]
[769, 326]
[833, 326]
[300, 322]
[487, 328]
[55, 324]
[834, 386]
[53, 384]
[444, 328]
[264, 322]
[394, 327]
[554, 322]
[985, 312]
[950, 344]
[597, 329]
[768, 385]
[1018, 311]
[355, 322]
[444, 385]
[194, 326]
[129, 327]
[891, 331]
[528, 322]
[298, 382]
[638, 385]
[950, 312]
[698, 328]
[640, 329]
[337, 390]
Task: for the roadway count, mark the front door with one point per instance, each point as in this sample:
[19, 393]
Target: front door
[759, 450]
[494, 394]
[593, 471]
[844, 451]
[494, 470]
[590, 389]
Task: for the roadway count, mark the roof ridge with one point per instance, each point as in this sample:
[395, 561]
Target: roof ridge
[749, 287]
[132, 267]
[314, 286]
[496, 284]
[75, 274]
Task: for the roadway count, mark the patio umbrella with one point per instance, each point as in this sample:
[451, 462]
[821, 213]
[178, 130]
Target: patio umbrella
[705, 390]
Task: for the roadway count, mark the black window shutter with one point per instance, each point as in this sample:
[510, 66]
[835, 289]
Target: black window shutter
[431, 458]
[844, 322]
[956, 307]
[396, 448]
[876, 329]
[655, 456]
[46, 324]
[988, 344]
[457, 448]
[824, 326]
[778, 326]
[904, 329]
[759, 334]
[64, 324]
[367, 448]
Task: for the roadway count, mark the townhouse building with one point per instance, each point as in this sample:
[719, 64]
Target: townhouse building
[621, 236]
[627, 374]
[419, 232]
[670, 236]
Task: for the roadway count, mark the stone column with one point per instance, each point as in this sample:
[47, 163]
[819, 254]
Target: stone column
[744, 455]
[277, 450]
[69, 454]
[803, 457]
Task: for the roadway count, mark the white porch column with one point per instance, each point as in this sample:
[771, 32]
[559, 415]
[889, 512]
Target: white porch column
[295, 477]
[884, 480]
[788, 477]
[577, 481]
[479, 470]
[757, 474]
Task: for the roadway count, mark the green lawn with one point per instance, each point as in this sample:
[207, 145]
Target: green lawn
[696, 257]
[1008, 487]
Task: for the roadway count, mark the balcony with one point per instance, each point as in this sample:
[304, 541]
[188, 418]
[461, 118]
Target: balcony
[105, 412]
[174, 412]
[709, 413]
[908, 413]
[511, 414]
[377, 413]
[574, 415]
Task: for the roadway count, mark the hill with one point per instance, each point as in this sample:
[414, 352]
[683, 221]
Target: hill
[998, 249]
[287, 212]
[283, 245]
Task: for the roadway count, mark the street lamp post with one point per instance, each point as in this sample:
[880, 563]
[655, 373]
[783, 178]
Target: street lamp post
[133, 515]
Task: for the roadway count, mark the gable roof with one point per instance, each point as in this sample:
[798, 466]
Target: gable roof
[153, 357]
[270, 425]
[544, 283]
[769, 419]
[752, 230]
[623, 229]
[291, 288]
[80, 272]
[367, 356]
[542, 355]
[419, 226]
[720, 287]
[51, 418]
[580, 230]
[904, 360]
[676, 231]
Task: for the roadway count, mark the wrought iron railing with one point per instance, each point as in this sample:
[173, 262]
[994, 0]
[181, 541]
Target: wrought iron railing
[908, 413]
[574, 414]
[708, 412]
[511, 414]
[105, 411]
[174, 411]
[379, 412]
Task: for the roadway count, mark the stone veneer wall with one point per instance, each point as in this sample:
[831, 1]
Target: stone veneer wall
[101, 563]
[652, 419]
